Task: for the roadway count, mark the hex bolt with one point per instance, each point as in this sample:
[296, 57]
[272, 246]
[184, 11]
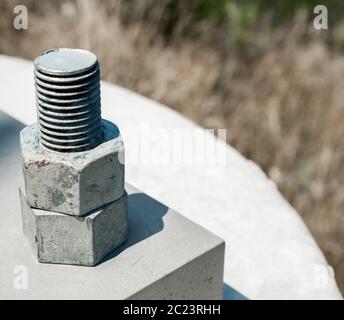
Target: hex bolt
[74, 205]
[67, 83]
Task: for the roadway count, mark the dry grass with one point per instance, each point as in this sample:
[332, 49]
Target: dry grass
[284, 109]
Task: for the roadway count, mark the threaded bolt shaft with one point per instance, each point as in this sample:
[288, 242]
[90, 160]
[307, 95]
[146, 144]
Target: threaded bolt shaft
[67, 83]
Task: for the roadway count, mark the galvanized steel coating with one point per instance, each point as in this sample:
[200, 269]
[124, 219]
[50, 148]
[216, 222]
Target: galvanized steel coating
[67, 83]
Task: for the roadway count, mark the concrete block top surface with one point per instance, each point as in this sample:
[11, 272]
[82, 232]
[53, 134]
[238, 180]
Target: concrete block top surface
[160, 241]
[269, 253]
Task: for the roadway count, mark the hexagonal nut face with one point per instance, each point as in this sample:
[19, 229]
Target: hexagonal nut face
[64, 239]
[73, 183]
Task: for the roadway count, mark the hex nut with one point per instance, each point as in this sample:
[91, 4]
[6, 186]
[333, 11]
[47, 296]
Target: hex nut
[64, 239]
[73, 183]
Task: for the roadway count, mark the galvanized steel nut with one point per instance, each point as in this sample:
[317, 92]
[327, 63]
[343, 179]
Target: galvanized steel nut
[73, 183]
[64, 239]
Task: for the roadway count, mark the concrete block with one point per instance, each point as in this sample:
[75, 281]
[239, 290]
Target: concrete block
[166, 256]
[73, 183]
[65, 239]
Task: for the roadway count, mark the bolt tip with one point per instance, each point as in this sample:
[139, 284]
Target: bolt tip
[65, 61]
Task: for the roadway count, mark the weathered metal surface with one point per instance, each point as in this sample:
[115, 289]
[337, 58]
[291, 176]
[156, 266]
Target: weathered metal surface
[73, 183]
[64, 239]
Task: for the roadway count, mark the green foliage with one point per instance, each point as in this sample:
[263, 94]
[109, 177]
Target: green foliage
[306, 172]
[247, 11]
[244, 17]
[246, 20]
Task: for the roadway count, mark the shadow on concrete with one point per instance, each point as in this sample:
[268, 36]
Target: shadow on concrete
[230, 293]
[144, 220]
[9, 139]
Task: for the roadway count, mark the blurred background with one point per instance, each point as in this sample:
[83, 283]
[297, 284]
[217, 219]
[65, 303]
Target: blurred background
[257, 68]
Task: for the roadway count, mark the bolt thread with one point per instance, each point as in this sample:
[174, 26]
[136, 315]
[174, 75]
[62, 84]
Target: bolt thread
[68, 108]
